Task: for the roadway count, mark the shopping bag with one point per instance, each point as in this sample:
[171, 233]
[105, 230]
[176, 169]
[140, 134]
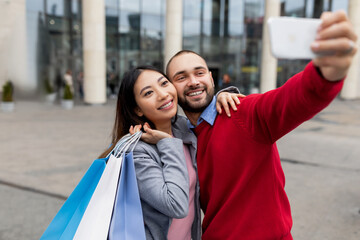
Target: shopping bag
[96, 219]
[66, 221]
[127, 221]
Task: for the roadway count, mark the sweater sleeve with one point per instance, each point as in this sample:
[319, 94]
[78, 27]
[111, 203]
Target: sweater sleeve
[165, 185]
[271, 115]
[230, 89]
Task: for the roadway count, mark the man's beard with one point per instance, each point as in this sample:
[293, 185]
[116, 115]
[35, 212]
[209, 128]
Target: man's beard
[188, 106]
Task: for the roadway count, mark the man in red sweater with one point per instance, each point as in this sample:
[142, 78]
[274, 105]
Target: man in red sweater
[241, 178]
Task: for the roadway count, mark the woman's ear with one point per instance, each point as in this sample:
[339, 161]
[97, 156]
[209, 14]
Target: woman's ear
[139, 112]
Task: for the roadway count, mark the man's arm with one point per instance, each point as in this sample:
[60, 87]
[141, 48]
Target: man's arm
[271, 115]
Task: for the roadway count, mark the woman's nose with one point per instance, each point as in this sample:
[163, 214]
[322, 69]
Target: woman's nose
[162, 94]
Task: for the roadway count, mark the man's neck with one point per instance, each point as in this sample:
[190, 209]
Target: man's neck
[193, 117]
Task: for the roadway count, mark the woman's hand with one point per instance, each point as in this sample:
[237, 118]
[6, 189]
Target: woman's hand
[224, 99]
[135, 129]
[151, 136]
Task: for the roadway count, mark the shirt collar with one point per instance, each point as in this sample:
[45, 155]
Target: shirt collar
[208, 115]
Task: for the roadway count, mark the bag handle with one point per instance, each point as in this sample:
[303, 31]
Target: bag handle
[136, 141]
[124, 143]
[120, 144]
[133, 141]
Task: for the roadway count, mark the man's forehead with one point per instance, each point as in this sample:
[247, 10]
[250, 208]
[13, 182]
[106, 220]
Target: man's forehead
[187, 62]
[192, 56]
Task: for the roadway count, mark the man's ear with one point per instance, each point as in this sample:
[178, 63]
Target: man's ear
[212, 80]
[138, 112]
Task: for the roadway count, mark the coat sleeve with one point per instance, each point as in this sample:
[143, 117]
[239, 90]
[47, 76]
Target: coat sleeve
[271, 115]
[163, 184]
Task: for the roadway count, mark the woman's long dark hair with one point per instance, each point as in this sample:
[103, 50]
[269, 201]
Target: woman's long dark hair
[125, 108]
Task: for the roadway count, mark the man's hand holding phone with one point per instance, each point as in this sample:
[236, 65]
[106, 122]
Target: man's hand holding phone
[336, 35]
[330, 41]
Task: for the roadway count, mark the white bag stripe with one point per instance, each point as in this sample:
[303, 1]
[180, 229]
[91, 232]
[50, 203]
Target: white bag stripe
[96, 220]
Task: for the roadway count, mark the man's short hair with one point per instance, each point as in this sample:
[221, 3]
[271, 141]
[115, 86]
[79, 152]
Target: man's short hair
[181, 52]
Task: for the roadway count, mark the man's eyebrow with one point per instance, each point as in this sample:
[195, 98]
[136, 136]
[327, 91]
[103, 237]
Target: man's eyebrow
[182, 72]
[178, 73]
[201, 67]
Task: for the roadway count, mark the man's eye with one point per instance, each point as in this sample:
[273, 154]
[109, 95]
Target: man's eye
[200, 73]
[180, 78]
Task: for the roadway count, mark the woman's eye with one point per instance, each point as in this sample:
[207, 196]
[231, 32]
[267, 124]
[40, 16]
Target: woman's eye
[164, 83]
[147, 93]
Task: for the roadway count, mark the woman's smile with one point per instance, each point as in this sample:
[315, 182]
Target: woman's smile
[166, 106]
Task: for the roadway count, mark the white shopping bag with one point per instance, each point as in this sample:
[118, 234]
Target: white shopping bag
[95, 222]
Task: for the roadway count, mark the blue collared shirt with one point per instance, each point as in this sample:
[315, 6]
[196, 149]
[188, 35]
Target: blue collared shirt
[208, 115]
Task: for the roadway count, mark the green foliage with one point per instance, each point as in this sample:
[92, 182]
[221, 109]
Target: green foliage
[48, 87]
[8, 89]
[68, 95]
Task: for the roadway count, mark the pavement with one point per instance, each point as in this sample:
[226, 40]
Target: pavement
[45, 150]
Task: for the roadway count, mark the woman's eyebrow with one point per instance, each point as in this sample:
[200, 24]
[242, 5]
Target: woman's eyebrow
[143, 89]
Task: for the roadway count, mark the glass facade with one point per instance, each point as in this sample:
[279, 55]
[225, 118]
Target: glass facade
[54, 31]
[134, 34]
[227, 33]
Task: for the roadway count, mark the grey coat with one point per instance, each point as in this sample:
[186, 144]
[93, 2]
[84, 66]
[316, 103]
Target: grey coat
[164, 183]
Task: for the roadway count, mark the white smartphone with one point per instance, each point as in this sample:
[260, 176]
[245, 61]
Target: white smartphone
[291, 37]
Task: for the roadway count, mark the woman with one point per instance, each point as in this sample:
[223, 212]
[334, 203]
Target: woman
[165, 162]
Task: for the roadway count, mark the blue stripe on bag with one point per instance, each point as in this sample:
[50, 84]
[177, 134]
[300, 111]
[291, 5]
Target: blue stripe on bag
[66, 221]
[127, 220]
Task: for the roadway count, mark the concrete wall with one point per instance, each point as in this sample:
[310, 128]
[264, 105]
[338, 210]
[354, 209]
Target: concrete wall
[351, 89]
[173, 32]
[13, 50]
[268, 62]
[94, 52]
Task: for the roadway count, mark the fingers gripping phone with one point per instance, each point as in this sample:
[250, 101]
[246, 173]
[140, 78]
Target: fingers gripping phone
[291, 37]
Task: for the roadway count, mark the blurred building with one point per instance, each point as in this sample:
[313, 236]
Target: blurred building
[43, 38]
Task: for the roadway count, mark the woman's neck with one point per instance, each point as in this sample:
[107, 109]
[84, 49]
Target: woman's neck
[164, 127]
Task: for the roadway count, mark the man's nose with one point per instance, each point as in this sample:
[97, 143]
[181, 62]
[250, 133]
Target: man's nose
[193, 80]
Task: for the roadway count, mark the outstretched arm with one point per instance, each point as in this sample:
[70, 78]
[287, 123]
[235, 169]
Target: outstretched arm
[273, 114]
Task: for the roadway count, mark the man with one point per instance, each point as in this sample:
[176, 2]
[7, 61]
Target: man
[241, 179]
[226, 81]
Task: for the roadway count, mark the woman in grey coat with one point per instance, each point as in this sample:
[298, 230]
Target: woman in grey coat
[165, 158]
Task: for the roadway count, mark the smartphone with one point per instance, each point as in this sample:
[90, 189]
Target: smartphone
[290, 38]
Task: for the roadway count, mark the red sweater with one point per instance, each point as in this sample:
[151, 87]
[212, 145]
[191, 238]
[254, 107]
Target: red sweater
[241, 178]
